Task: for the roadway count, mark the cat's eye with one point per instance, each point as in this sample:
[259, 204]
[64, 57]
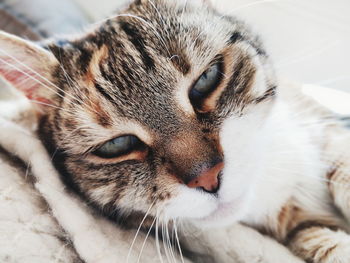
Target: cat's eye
[119, 146]
[206, 83]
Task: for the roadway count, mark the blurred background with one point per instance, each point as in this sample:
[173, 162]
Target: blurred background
[308, 40]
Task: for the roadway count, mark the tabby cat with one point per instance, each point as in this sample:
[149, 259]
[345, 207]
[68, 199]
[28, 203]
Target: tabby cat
[171, 110]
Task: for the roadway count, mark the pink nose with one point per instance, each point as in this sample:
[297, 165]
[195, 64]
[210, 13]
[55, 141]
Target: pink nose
[208, 179]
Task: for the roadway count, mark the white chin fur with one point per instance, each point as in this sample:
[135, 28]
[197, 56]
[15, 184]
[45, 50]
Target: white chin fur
[190, 203]
[243, 140]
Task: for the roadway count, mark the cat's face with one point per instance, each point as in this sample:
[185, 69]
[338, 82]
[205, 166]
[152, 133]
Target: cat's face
[162, 107]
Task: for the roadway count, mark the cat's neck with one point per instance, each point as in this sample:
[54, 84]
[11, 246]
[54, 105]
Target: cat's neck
[292, 164]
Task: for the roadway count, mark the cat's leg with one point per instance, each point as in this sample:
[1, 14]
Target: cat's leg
[237, 243]
[337, 153]
[314, 237]
[313, 234]
[320, 244]
[316, 242]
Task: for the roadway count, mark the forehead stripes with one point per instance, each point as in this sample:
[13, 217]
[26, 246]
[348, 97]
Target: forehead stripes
[131, 68]
[138, 40]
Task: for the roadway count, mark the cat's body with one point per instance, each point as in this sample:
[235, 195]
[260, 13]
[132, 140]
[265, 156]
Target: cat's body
[307, 182]
[172, 110]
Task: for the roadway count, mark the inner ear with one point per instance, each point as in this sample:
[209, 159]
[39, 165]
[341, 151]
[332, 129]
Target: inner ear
[28, 67]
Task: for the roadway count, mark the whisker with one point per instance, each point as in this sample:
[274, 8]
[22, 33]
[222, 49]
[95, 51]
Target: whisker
[29, 76]
[159, 14]
[313, 177]
[302, 52]
[178, 242]
[144, 242]
[258, 2]
[229, 12]
[318, 16]
[49, 105]
[41, 77]
[163, 241]
[183, 11]
[63, 139]
[169, 244]
[32, 71]
[41, 83]
[315, 52]
[172, 239]
[138, 230]
[27, 170]
[157, 238]
[70, 83]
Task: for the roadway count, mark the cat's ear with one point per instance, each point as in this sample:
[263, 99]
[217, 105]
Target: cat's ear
[28, 67]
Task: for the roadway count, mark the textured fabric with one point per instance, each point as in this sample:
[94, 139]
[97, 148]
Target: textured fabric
[43, 18]
[28, 232]
[40, 221]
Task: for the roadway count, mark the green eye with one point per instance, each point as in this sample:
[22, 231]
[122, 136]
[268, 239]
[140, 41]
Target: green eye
[206, 83]
[118, 147]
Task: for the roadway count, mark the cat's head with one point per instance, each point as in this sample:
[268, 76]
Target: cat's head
[160, 109]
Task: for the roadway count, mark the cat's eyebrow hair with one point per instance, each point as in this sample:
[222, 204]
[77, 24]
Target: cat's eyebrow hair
[137, 40]
[242, 75]
[235, 37]
[181, 63]
[106, 95]
[271, 92]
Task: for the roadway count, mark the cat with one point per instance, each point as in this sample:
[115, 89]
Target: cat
[171, 112]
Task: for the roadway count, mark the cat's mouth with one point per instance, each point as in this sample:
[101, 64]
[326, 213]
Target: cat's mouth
[225, 213]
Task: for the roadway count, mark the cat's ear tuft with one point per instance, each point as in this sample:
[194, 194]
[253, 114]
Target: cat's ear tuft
[28, 67]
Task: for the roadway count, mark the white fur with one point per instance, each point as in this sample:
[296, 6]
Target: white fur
[236, 243]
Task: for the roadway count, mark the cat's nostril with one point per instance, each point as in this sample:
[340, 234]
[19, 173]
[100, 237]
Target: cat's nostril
[215, 188]
[208, 180]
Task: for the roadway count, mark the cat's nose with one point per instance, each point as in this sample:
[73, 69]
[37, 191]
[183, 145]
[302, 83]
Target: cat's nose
[208, 179]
